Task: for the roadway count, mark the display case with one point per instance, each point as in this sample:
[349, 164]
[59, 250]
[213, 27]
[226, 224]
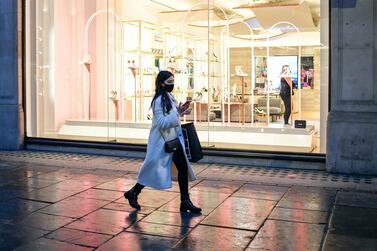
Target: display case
[143, 54]
[149, 49]
[222, 91]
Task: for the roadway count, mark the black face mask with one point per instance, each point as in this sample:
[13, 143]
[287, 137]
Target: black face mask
[169, 88]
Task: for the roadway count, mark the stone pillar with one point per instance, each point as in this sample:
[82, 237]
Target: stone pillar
[11, 110]
[352, 121]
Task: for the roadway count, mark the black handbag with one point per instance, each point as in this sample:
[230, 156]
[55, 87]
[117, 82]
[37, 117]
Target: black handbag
[192, 144]
[172, 145]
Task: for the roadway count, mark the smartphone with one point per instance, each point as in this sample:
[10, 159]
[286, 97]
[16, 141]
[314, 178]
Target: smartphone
[187, 102]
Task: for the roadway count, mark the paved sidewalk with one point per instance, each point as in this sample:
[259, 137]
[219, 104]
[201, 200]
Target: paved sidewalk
[52, 204]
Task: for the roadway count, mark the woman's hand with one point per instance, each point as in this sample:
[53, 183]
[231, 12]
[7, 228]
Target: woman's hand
[186, 112]
[183, 107]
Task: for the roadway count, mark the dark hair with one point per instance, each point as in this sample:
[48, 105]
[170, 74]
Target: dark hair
[160, 91]
[284, 66]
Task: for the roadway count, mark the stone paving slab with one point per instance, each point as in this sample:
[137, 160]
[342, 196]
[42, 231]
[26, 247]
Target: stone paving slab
[78, 237]
[298, 215]
[354, 221]
[17, 209]
[122, 205]
[100, 194]
[159, 229]
[56, 176]
[105, 221]
[224, 187]
[241, 213]
[13, 235]
[36, 182]
[264, 192]
[74, 207]
[45, 221]
[283, 235]
[353, 226]
[308, 198]
[138, 242]
[338, 242]
[215, 238]
[48, 194]
[7, 193]
[175, 186]
[175, 219]
[119, 184]
[49, 244]
[65, 208]
[357, 199]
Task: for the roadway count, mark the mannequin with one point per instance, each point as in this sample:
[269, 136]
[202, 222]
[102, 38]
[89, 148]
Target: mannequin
[286, 92]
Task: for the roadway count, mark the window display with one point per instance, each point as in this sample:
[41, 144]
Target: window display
[282, 65]
[307, 72]
[260, 72]
[227, 57]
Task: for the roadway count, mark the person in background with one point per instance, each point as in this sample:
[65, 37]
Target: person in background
[156, 169]
[286, 92]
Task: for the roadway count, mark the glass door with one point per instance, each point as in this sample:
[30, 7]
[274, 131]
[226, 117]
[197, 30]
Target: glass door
[195, 66]
[115, 104]
[217, 39]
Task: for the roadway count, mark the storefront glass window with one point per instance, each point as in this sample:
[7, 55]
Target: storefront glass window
[256, 72]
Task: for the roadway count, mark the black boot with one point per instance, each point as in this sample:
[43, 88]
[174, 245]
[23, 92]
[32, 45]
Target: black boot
[131, 196]
[186, 205]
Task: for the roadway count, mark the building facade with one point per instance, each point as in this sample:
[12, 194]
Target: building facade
[84, 71]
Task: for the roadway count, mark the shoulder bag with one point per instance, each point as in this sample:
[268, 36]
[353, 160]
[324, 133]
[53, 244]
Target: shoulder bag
[170, 145]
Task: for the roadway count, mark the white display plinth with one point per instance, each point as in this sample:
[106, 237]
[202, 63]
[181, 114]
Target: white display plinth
[215, 134]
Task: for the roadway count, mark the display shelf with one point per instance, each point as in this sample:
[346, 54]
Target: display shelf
[140, 52]
[206, 61]
[185, 55]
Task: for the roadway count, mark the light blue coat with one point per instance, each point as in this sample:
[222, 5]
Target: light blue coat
[156, 171]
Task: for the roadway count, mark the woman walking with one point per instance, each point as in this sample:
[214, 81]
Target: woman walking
[156, 169]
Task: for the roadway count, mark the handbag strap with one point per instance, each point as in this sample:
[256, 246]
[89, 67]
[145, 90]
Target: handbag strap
[163, 134]
[172, 98]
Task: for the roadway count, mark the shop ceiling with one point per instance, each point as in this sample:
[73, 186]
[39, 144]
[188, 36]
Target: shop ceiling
[260, 14]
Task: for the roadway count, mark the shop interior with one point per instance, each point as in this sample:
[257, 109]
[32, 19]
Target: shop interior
[91, 69]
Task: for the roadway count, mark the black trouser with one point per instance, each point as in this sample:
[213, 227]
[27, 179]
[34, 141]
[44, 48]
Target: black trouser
[287, 105]
[181, 164]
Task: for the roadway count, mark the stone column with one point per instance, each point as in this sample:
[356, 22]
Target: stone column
[352, 121]
[11, 110]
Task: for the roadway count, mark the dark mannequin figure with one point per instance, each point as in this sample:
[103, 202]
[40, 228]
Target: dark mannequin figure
[286, 92]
